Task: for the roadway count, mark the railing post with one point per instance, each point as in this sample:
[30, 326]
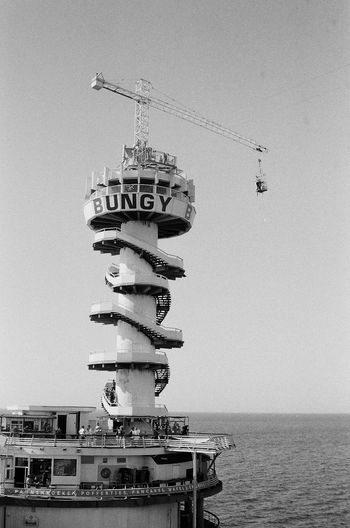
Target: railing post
[194, 480]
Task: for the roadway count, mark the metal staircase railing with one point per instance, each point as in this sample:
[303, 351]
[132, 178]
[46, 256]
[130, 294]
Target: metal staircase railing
[162, 376]
[163, 303]
[161, 337]
[163, 300]
[158, 259]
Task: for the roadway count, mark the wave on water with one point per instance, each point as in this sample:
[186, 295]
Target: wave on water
[288, 471]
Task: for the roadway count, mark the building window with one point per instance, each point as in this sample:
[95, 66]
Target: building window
[17, 426]
[9, 469]
[28, 426]
[87, 460]
[21, 462]
[64, 467]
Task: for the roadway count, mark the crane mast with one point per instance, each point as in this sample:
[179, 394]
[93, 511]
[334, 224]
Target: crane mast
[143, 90]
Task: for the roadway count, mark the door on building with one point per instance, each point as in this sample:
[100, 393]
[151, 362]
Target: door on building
[72, 424]
[20, 477]
[21, 471]
[62, 424]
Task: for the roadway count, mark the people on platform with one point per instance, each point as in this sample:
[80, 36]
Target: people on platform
[88, 434]
[82, 432]
[176, 428]
[135, 432]
[29, 481]
[111, 393]
[59, 433]
[98, 429]
[45, 479]
[184, 430]
[38, 481]
[47, 427]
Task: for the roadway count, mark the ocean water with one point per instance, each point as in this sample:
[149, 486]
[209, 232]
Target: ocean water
[288, 471]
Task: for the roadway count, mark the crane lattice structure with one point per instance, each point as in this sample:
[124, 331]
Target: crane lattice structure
[144, 101]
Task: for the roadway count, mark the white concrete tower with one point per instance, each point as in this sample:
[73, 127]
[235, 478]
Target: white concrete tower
[129, 209]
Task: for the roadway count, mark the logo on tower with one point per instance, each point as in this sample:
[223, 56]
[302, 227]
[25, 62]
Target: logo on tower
[132, 202]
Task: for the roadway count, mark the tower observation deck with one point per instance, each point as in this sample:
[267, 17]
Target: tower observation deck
[129, 209]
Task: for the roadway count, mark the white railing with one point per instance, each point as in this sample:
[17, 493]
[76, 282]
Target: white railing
[106, 402]
[133, 353]
[211, 517]
[137, 347]
[136, 278]
[191, 443]
[110, 408]
[138, 242]
[161, 406]
[198, 443]
[105, 307]
[102, 177]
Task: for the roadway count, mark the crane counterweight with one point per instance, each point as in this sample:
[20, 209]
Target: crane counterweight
[97, 82]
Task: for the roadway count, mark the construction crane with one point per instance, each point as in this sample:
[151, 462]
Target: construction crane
[144, 101]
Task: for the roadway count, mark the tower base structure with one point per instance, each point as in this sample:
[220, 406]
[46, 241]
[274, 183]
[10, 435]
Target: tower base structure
[61, 479]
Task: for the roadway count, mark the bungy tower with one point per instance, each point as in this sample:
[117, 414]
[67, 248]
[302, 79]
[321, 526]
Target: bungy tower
[129, 209]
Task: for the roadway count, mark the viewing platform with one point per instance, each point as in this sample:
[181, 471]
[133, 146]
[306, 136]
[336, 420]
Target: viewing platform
[194, 442]
[111, 313]
[142, 190]
[112, 240]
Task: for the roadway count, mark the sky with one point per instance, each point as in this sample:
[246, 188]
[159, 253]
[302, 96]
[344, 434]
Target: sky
[265, 304]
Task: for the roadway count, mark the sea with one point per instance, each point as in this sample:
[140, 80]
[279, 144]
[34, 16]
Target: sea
[286, 470]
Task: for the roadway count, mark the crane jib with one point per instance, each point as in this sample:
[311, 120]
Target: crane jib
[144, 100]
